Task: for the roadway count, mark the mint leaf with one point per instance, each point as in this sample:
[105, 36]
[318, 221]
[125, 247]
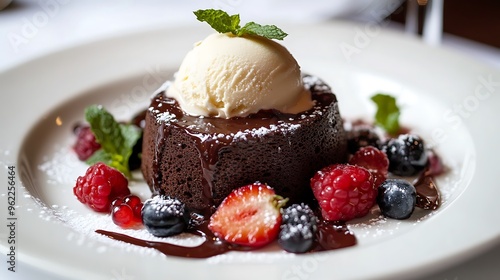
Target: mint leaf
[224, 23]
[387, 115]
[219, 20]
[111, 160]
[106, 130]
[268, 31]
[117, 140]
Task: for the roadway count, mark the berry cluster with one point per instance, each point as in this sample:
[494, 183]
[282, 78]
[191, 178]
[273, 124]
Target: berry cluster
[253, 215]
[105, 189]
[404, 155]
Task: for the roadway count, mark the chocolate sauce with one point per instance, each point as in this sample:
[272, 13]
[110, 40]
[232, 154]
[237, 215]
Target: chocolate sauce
[212, 245]
[330, 236]
[159, 145]
[428, 196]
[333, 235]
[139, 119]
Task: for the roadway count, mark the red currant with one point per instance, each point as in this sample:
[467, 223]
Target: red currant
[132, 201]
[123, 216]
[126, 211]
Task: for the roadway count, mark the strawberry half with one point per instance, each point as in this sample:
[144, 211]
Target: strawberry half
[248, 216]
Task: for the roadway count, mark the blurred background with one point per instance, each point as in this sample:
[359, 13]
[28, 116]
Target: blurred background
[31, 28]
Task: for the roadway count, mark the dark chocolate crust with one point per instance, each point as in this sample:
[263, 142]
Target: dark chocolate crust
[200, 160]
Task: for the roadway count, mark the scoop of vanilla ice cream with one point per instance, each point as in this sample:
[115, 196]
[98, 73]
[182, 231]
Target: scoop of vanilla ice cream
[228, 76]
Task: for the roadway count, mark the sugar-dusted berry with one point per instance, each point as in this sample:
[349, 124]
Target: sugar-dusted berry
[344, 191]
[407, 155]
[99, 186]
[164, 216]
[249, 216]
[298, 228]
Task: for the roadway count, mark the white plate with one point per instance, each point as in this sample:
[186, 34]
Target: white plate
[448, 99]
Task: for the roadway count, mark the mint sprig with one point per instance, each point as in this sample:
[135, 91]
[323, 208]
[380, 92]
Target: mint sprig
[387, 115]
[117, 140]
[222, 22]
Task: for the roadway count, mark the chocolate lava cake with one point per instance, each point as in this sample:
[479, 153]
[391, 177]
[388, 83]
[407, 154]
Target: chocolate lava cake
[200, 160]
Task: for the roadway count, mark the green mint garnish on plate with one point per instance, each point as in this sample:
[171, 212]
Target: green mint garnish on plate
[224, 23]
[117, 140]
[387, 115]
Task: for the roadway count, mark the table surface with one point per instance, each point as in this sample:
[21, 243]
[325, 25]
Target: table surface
[68, 23]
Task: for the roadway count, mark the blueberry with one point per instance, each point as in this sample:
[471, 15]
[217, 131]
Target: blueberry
[397, 198]
[164, 216]
[298, 228]
[406, 154]
[296, 238]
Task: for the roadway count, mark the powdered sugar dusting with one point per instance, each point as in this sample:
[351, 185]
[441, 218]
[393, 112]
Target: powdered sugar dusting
[165, 116]
[164, 204]
[60, 166]
[263, 131]
[87, 224]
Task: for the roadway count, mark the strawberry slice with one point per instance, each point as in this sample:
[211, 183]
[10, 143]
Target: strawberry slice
[248, 216]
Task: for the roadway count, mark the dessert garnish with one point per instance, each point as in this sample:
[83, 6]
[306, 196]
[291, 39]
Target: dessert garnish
[407, 154]
[387, 115]
[374, 160]
[224, 23]
[117, 140]
[99, 186]
[126, 211]
[298, 228]
[235, 73]
[236, 92]
[397, 198]
[165, 216]
[248, 216]
[86, 144]
[344, 191]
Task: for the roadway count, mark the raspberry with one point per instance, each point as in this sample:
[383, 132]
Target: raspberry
[126, 211]
[374, 160]
[85, 145]
[344, 191]
[99, 186]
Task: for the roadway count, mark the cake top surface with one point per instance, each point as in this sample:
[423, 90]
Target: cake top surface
[167, 110]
